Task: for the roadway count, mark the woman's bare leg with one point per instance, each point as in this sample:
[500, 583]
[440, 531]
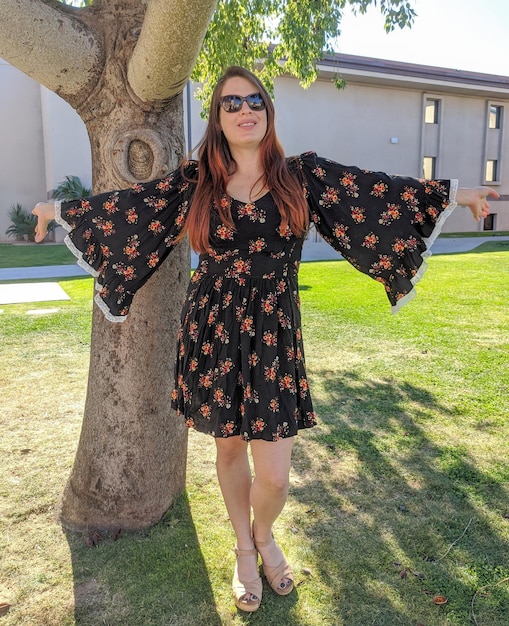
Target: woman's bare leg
[269, 493]
[234, 475]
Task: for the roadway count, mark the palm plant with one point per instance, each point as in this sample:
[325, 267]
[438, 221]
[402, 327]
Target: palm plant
[71, 188]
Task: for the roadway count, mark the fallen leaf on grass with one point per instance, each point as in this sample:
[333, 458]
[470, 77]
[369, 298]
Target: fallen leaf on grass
[439, 600]
[403, 573]
[307, 572]
[92, 539]
[4, 608]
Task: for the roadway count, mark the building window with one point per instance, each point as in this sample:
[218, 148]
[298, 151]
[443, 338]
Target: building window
[431, 111]
[491, 170]
[495, 116]
[489, 222]
[429, 167]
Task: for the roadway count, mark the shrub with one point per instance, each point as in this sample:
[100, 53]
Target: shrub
[71, 188]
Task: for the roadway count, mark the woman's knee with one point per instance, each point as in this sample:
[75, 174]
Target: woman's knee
[275, 482]
[230, 450]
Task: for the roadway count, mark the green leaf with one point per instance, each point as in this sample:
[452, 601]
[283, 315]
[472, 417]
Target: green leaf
[272, 37]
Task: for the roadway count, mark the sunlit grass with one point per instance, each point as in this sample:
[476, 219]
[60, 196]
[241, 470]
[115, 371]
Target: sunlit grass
[410, 457]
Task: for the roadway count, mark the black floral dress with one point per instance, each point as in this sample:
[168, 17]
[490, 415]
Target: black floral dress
[240, 359]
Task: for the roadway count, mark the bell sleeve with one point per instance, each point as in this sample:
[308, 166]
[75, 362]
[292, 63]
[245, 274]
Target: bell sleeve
[383, 225]
[121, 237]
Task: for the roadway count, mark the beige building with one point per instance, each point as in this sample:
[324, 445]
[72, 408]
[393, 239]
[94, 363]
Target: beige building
[42, 140]
[396, 117]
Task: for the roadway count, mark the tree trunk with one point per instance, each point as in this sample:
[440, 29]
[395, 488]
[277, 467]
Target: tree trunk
[131, 457]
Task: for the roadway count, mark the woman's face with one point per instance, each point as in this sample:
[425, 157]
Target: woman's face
[244, 128]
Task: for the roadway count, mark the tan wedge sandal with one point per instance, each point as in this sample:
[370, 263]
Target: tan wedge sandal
[276, 574]
[242, 588]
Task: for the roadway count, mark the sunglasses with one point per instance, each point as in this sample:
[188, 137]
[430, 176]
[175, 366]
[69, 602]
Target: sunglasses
[233, 103]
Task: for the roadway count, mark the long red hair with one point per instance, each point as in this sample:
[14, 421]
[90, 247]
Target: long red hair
[216, 165]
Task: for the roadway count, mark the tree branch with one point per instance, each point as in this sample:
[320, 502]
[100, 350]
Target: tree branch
[169, 43]
[49, 44]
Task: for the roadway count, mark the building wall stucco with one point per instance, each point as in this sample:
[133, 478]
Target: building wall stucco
[22, 167]
[353, 126]
[42, 140]
[67, 147]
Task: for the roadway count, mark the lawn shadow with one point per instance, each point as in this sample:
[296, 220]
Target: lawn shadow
[156, 577]
[403, 499]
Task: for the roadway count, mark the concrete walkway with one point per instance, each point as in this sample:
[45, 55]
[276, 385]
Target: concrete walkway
[47, 271]
[312, 251]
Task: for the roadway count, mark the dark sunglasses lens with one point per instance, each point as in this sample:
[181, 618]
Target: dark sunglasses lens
[232, 103]
[255, 102]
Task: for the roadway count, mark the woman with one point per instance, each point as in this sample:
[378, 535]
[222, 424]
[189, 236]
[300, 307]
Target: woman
[240, 372]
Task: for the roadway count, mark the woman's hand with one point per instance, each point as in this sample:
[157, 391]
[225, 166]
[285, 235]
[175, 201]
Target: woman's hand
[45, 212]
[476, 199]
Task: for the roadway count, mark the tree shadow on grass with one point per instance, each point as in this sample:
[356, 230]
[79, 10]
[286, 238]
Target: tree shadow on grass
[385, 501]
[152, 578]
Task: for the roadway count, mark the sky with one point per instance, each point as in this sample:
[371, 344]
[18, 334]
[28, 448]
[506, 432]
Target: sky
[470, 35]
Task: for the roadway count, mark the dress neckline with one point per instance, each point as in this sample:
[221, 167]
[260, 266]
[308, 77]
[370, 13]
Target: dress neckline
[267, 193]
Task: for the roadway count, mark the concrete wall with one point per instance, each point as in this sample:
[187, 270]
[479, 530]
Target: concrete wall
[22, 167]
[66, 143]
[42, 140]
[353, 126]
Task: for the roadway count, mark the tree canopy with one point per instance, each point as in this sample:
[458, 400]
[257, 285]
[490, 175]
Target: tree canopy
[274, 37]
[281, 36]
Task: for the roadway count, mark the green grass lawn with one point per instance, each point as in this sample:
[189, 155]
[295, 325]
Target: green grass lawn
[399, 495]
[32, 255]
[479, 233]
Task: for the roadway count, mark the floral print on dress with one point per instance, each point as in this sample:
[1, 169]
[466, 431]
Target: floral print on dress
[110, 206]
[347, 180]
[329, 197]
[251, 211]
[240, 366]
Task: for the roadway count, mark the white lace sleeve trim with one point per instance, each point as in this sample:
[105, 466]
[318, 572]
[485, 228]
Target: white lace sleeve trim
[105, 310]
[429, 242]
[88, 268]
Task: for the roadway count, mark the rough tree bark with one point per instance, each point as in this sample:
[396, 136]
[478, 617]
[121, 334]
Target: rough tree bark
[122, 66]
